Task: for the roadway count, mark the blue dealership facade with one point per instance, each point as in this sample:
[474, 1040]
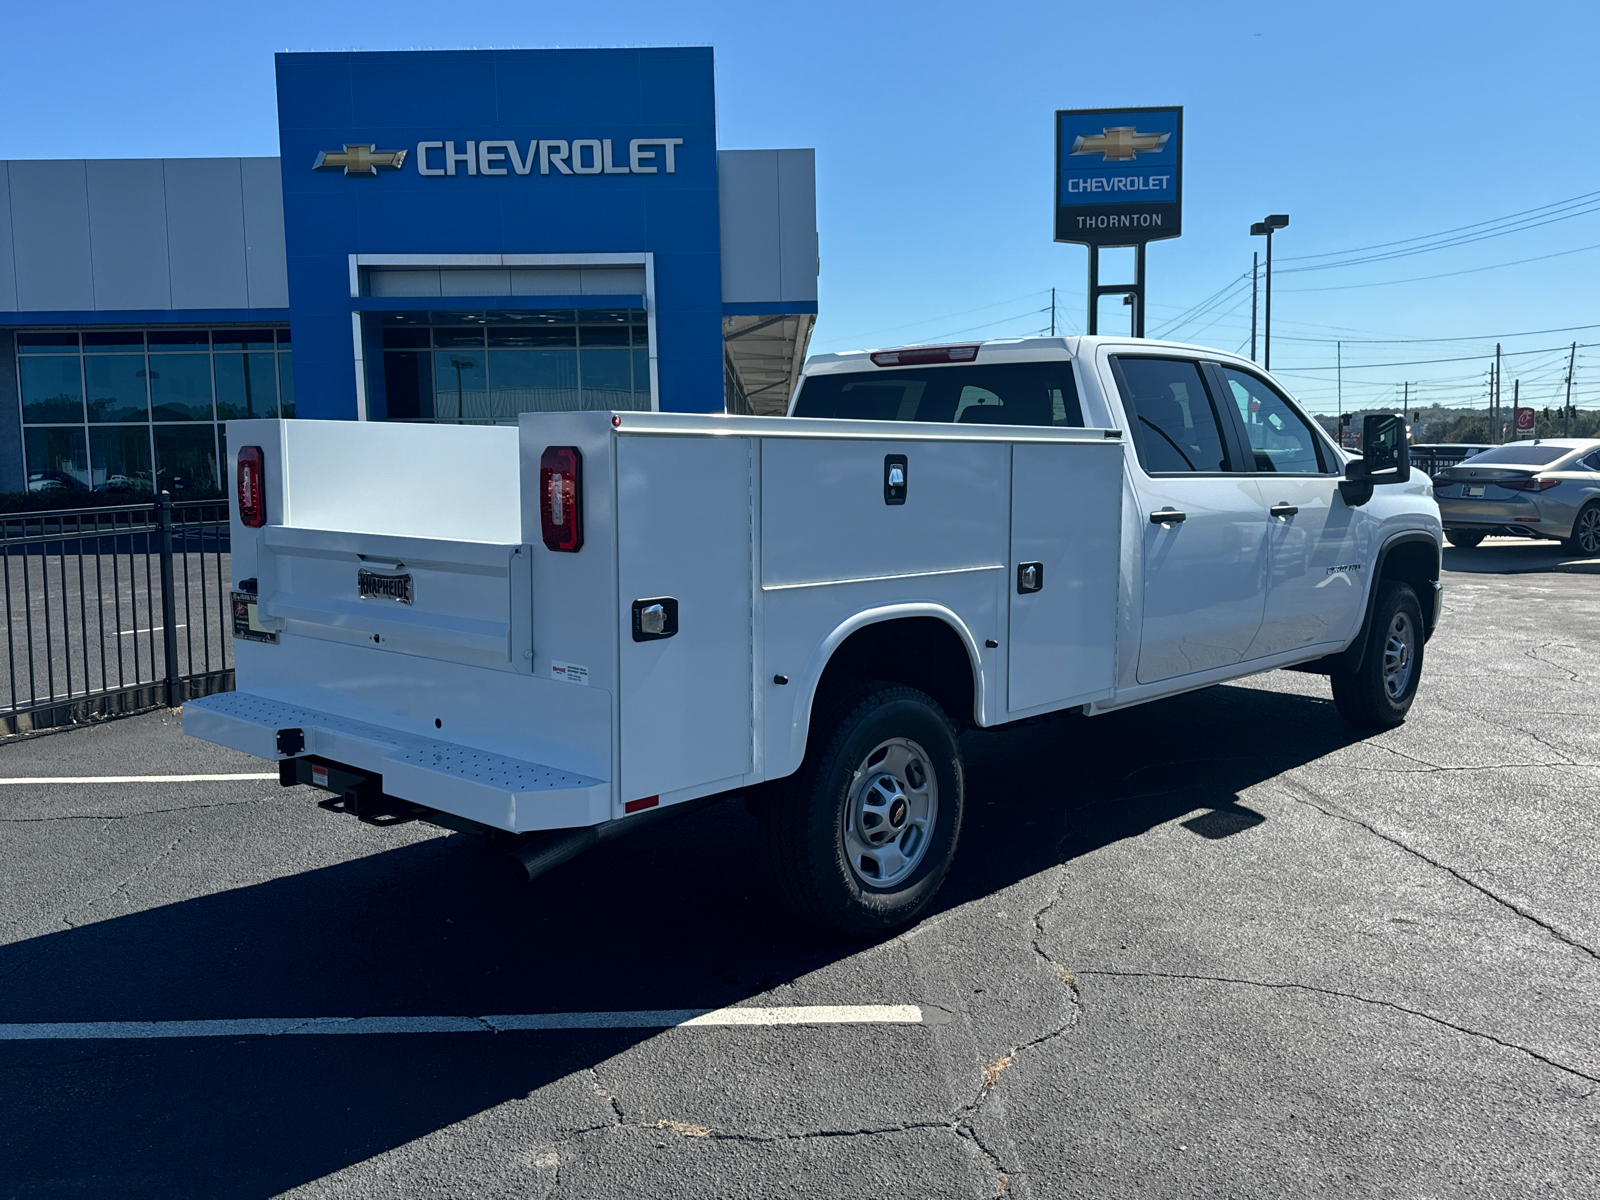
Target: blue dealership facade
[447, 236]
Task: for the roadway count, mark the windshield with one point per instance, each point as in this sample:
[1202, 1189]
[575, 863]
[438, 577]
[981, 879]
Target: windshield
[1522, 454]
[1030, 393]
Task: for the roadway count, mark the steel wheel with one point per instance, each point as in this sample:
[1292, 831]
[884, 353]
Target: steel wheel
[889, 820]
[1397, 655]
[1586, 532]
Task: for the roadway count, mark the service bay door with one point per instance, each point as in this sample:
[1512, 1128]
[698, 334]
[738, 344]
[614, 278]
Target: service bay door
[1066, 521]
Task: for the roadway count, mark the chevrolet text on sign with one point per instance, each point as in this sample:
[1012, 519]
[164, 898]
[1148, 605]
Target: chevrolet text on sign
[1118, 175]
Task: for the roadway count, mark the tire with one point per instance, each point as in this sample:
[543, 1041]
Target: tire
[831, 829]
[1464, 538]
[1379, 692]
[1585, 536]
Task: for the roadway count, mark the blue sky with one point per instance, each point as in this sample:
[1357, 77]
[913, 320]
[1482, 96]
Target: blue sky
[1367, 123]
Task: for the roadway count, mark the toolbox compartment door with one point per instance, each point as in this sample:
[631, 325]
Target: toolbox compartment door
[683, 535]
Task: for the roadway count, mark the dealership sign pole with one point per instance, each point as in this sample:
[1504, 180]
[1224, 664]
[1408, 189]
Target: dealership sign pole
[1119, 182]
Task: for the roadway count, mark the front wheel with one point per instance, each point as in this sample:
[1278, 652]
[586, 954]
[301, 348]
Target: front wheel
[1378, 693]
[1464, 538]
[1585, 536]
[861, 837]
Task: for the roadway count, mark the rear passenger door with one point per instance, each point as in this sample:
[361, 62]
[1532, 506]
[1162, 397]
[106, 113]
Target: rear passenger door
[1317, 546]
[1203, 522]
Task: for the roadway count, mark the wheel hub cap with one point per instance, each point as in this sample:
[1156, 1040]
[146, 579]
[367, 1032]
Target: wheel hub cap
[889, 820]
[1397, 656]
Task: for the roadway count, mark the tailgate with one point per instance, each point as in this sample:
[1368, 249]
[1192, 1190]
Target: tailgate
[460, 601]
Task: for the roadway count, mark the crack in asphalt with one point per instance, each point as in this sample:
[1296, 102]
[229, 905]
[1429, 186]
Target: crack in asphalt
[1285, 985]
[957, 1124]
[56, 937]
[1573, 676]
[1294, 785]
[149, 812]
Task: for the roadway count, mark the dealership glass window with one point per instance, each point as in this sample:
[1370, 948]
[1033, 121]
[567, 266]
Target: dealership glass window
[116, 387]
[106, 403]
[121, 457]
[52, 390]
[186, 457]
[57, 461]
[485, 368]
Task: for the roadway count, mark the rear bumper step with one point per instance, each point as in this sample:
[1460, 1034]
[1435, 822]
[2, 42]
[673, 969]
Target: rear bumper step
[479, 785]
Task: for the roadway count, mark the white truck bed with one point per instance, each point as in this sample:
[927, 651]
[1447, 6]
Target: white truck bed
[512, 692]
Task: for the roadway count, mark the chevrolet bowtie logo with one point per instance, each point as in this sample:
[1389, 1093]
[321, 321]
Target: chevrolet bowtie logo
[362, 160]
[1121, 143]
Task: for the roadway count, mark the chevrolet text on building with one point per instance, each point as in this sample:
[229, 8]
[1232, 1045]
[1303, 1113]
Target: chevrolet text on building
[502, 156]
[581, 156]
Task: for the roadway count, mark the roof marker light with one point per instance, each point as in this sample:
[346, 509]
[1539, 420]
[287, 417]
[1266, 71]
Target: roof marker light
[919, 355]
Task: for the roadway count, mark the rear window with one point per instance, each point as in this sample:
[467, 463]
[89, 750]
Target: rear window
[1033, 393]
[1521, 454]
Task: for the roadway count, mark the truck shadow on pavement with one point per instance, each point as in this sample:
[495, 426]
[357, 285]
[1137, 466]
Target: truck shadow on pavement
[674, 918]
[1517, 556]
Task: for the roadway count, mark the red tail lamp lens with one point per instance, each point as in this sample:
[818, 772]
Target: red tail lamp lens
[252, 499]
[1527, 485]
[925, 354]
[561, 498]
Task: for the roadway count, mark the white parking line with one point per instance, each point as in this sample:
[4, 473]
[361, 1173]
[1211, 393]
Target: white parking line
[812, 1014]
[139, 778]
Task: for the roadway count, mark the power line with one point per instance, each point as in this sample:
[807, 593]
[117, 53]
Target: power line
[1420, 362]
[1585, 198]
[1446, 244]
[1345, 287]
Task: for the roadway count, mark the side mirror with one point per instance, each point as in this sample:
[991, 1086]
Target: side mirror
[1385, 449]
[1385, 458]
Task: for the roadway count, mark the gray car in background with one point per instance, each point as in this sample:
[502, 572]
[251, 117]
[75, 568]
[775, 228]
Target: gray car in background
[1544, 488]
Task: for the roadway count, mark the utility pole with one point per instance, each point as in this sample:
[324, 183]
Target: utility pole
[1495, 400]
[1516, 399]
[1255, 268]
[1405, 401]
[1339, 361]
[1566, 411]
[1052, 312]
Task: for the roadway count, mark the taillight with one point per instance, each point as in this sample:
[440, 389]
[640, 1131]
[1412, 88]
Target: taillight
[252, 499]
[561, 498]
[1527, 485]
[925, 354]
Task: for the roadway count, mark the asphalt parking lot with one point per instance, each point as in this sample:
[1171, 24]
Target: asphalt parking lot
[1219, 946]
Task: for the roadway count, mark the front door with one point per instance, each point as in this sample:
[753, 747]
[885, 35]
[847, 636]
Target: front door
[1316, 545]
[1203, 523]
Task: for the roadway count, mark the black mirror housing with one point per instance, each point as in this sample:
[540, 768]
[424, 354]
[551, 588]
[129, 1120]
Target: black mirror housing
[1385, 448]
[1385, 458]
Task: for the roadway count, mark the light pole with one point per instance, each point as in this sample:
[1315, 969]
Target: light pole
[1266, 229]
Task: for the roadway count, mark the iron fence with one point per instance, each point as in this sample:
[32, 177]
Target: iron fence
[111, 610]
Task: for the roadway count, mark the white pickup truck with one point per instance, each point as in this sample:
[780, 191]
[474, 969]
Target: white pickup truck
[554, 633]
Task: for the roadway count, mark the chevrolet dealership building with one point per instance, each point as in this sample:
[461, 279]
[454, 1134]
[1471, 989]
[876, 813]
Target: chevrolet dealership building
[447, 236]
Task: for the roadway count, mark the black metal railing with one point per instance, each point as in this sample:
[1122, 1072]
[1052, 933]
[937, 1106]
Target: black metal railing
[111, 610]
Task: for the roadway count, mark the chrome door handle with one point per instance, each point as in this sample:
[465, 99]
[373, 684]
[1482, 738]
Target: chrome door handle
[1283, 510]
[1168, 516]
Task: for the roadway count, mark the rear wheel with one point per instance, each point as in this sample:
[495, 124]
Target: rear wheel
[861, 837]
[1465, 538]
[1585, 536]
[1379, 692]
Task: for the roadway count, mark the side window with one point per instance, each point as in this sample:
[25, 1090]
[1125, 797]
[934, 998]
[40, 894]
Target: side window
[1279, 437]
[1592, 463]
[1175, 425]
